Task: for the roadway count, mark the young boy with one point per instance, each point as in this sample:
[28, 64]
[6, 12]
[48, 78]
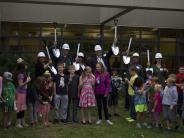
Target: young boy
[179, 80]
[134, 76]
[72, 94]
[169, 102]
[115, 85]
[61, 95]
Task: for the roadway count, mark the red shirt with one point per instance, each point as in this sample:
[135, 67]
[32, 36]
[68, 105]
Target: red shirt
[179, 80]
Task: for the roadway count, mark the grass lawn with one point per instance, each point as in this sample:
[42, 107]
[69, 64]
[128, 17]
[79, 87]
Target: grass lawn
[120, 129]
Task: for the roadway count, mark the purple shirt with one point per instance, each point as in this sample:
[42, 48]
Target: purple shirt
[102, 83]
[21, 89]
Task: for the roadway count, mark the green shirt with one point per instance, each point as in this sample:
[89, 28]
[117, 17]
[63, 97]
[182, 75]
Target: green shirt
[8, 94]
[130, 87]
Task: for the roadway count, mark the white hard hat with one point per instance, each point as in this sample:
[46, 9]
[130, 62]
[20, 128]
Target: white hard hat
[41, 54]
[158, 55]
[135, 54]
[66, 46]
[19, 60]
[80, 54]
[97, 48]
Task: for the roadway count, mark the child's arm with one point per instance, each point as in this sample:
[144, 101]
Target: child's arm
[155, 105]
[79, 86]
[174, 95]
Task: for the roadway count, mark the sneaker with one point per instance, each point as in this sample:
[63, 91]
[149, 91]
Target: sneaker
[99, 122]
[19, 126]
[146, 125]
[109, 122]
[138, 125]
[130, 120]
[116, 114]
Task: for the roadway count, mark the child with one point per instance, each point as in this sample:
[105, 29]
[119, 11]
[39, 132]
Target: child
[140, 102]
[21, 93]
[45, 96]
[1, 85]
[157, 108]
[72, 93]
[102, 88]
[32, 101]
[169, 103]
[179, 80]
[182, 87]
[115, 85]
[87, 97]
[8, 98]
[134, 76]
[61, 94]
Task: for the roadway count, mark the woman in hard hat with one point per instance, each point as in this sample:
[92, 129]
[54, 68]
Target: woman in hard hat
[42, 65]
[80, 64]
[159, 69]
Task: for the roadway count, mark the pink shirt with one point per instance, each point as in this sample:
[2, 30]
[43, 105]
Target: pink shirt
[102, 84]
[158, 98]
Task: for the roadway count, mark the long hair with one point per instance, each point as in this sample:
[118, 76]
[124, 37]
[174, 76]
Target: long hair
[103, 70]
[20, 69]
[88, 68]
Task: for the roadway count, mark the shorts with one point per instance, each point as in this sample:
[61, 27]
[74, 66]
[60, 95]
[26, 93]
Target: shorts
[169, 114]
[141, 108]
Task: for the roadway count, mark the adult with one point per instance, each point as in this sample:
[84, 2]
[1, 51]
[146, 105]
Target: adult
[79, 64]
[135, 61]
[159, 69]
[103, 58]
[65, 58]
[41, 65]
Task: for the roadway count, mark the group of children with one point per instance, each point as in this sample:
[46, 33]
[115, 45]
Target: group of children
[149, 99]
[67, 93]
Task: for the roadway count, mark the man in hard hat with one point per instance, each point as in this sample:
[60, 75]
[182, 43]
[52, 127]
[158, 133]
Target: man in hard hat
[65, 57]
[55, 53]
[104, 59]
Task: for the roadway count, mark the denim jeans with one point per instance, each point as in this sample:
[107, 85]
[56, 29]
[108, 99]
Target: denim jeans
[33, 112]
[61, 106]
[132, 107]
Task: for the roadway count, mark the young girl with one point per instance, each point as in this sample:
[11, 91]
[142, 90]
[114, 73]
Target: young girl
[45, 96]
[8, 98]
[21, 92]
[87, 97]
[169, 103]
[140, 102]
[102, 88]
[157, 108]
